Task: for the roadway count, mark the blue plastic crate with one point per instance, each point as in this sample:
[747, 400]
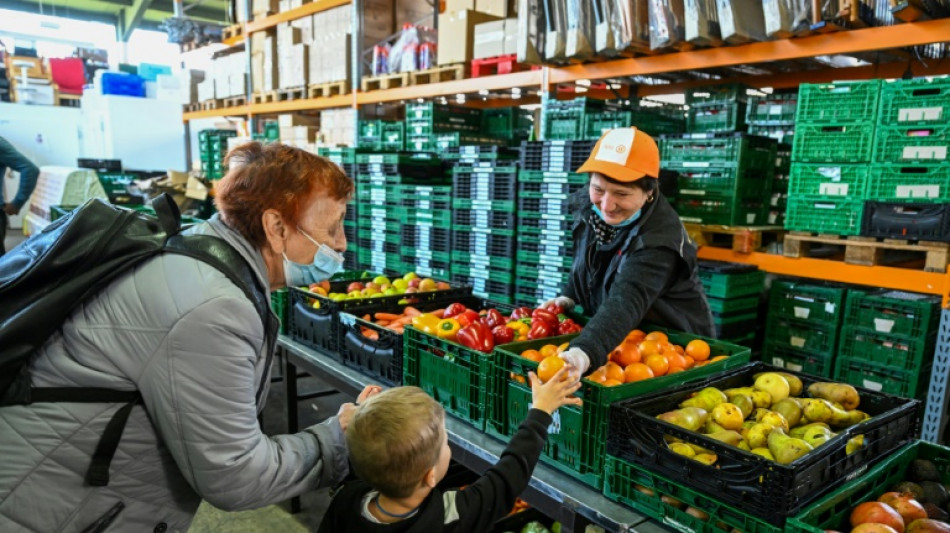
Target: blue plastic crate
[122, 84]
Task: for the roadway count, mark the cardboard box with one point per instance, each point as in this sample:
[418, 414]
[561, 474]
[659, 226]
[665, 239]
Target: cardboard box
[294, 66]
[289, 120]
[261, 8]
[206, 90]
[511, 36]
[377, 21]
[499, 8]
[330, 60]
[454, 6]
[457, 35]
[489, 40]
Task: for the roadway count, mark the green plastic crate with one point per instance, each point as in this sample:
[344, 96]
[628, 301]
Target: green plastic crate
[815, 302]
[819, 214]
[882, 378]
[439, 218]
[902, 314]
[731, 305]
[531, 260]
[854, 101]
[901, 354]
[706, 150]
[721, 210]
[507, 206]
[905, 183]
[622, 479]
[817, 179]
[740, 183]
[596, 124]
[577, 444]
[717, 94]
[407, 251]
[465, 258]
[539, 176]
[798, 360]
[772, 110]
[483, 272]
[832, 512]
[720, 285]
[833, 143]
[913, 144]
[811, 336]
[916, 102]
[716, 118]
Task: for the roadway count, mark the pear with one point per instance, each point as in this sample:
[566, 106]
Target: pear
[743, 445]
[699, 450]
[744, 403]
[774, 419]
[774, 384]
[682, 449]
[729, 437]
[795, 385]
[799, 431]
[728, 415]
[707, 399]
[842, 393]
[789, 409]
[786, 449]
[820, 410]
[691, 418]
[817, 435]
[761, 398]
[706, 458]
[854, 444]
[738, 390]
[758, 435]
[764, 452]
[712, 426]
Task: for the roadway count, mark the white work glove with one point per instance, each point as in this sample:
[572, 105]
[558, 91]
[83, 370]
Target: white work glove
[577, 360]
[566, 303]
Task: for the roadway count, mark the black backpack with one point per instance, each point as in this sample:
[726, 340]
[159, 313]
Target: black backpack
[44, 278]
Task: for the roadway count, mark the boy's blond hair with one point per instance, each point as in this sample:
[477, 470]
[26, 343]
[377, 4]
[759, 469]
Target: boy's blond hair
[394, 438]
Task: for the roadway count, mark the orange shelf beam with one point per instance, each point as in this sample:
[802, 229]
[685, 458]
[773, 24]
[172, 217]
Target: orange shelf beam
[231, 41]
[294, 14]
[287, 106]
[853, 41]
[236, 111]
[878, 276]
[529, 78]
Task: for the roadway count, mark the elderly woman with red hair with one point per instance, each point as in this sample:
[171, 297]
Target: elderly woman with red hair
[183, 334]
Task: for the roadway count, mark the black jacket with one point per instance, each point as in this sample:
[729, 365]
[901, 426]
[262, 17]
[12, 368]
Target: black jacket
[472, 509]
[646, 274]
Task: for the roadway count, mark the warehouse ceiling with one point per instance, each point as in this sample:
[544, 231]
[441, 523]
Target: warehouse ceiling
[126, 15]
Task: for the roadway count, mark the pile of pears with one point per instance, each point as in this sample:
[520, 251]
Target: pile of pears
[768, 418]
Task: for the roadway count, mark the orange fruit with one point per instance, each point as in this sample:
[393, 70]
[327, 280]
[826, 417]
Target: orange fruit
[676, 361]
[614, 371]
[675, 369]
[612, 383]
[627, 354]
[690, 362]
[679, 349]
[658, 336]
[698, 349]
[548, 350]
[636, 335]
[648, 348]
[658, 363]
[548, 367]
[666, 348]
[598, 376]
[518, 378]
[532, 355]
[637, 372]
[718, 358]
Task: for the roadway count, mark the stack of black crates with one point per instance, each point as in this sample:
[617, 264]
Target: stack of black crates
[346, 159]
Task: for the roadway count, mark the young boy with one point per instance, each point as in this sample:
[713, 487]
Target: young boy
[399, 449]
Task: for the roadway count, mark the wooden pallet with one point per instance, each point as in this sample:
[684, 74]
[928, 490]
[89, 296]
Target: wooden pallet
[192, 107]
[870, 251]
[437, 74]
[232, 31]
[323, 90]
[386, 81]
[214, 103]
[265, 97]
[490, 66]
[742, 239]
[293, 93]
[235, 101]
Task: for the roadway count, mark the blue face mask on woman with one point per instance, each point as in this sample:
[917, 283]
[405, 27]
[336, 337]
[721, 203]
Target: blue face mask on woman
[326, 263]
[633, 218]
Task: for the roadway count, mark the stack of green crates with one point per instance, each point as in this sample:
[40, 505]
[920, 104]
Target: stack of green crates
[912, 145]
[213, 147]
[773, 116]
[804, 319]
[381, 135]
[346, 158]
[545, 251]
[779, 199]
[733, 292]
[379, 229]
[512, 124]
[426, 212]
[887, 342]
[834, 139]
[724, 178]
[569, 119]
[432, 127]
[717, 109]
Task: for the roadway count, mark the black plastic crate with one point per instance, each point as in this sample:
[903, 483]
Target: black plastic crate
[549, 187]
[427, 238]
[911, 221]
[557, 223]
[518, 521]
[467, 218]
[483, 243]
[739, 478]
[484, 187]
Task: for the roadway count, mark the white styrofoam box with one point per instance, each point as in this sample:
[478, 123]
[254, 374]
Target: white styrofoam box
[237, 84]
[283, 5]
[151, 89]
[305, 25]
[206, 90]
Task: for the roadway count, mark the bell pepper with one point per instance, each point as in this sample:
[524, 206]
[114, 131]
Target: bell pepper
[466, 317]
[476, 336]
[447, 328]
[426, 323]
[568, 326]
[521, 312]
[547, 316]
[454, 310]
[554, 308]
[493, 318]
[502, 334]
[520, 329]
[540, 329]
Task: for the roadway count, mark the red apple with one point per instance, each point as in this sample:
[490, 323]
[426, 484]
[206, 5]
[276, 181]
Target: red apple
[355, 286]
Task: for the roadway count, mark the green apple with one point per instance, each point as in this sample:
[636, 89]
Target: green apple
[337, 297]
[427, 285]
[379, 280]
[401, 284]
[354, 294]
[392, 291]
[410, 276]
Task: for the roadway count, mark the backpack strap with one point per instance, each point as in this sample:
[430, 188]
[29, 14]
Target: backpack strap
[169, 215]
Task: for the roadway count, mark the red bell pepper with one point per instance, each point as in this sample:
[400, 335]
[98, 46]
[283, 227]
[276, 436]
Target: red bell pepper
[568, 326]
[476, 336]
[548, 317]
[554, 308]
[494, 318]
[521, 312]
[453, 310]
[466, 317]
[540, 329]
[503, 334]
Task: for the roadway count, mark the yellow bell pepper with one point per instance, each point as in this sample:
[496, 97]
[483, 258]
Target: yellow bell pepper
[447, 328]
[426, 322]
[520, 328]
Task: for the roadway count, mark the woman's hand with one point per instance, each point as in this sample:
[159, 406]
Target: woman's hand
[577, 360]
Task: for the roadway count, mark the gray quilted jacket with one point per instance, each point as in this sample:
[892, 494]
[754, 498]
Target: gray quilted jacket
[180, 332]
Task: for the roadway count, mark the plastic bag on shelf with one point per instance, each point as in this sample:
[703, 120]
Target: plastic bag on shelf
[555, 23]
[380, 64]
[666, 23]
[579, 37]
[530, 31]
[630, 22]
[787, 18]
[741, 21]
[604, 43]
[404, 52]
[702, 22]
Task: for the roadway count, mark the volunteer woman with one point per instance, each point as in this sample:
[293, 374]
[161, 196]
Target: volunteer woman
[633, 261]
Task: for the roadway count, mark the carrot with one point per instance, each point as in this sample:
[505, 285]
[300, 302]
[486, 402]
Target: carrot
[411, 311]
[402, 321]
[387, 316]
[366, 317]
[439, 313]
[383, 322]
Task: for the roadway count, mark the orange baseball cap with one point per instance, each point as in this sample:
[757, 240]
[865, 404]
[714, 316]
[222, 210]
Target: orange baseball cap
[624, 154]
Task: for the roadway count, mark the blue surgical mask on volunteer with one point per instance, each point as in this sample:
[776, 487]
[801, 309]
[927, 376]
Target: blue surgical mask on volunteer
[326, 263]
[633, 218]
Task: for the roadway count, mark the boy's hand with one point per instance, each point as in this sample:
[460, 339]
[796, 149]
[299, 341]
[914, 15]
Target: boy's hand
[368, 392]
[555, 393]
